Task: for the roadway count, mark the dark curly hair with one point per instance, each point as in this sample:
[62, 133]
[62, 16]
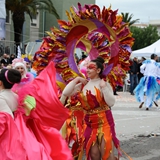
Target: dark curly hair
[153, 56]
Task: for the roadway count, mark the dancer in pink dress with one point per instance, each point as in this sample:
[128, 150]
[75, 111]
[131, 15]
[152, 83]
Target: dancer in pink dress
[29, 126]
[20, 65]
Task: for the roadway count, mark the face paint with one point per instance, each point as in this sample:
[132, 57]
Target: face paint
[92, 66]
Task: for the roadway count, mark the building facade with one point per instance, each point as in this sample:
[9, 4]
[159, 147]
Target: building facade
[155, 23]
[36, 29]
[47, 20]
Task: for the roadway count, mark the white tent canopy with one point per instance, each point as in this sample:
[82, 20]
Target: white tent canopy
[147, 51]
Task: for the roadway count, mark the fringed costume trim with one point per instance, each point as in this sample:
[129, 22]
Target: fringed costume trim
[147, 86]
[100, 126]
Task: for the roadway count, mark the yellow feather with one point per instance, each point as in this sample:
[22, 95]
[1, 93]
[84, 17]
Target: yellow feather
[69, 16]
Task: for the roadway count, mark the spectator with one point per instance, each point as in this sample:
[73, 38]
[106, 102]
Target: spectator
[7, 50]
[76, 58]
[12, 57]
[140, 75]
[83, 56]
[134, 75]
[5, 60]
[28, 64]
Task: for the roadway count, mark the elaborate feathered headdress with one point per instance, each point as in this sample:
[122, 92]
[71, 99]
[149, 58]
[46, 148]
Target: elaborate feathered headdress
[98, 33]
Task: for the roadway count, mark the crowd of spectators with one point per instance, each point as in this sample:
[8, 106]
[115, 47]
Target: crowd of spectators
[6, 60]
[134, 73]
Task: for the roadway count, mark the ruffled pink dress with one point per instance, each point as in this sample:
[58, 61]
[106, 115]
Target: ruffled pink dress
[34, 133]
[29, 78]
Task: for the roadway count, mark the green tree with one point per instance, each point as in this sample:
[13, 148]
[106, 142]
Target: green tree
[18, 9]
[144, 36]
[128, 18]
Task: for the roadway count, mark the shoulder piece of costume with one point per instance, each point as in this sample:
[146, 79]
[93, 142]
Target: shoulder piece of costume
[100, 33]
[158, 64]
[148, 61]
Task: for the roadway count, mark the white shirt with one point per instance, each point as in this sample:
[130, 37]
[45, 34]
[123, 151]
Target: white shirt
[158, 71]
[149, 68]
[8, 101]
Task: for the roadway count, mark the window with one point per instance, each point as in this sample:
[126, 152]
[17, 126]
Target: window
[35, 20]
[8, 16]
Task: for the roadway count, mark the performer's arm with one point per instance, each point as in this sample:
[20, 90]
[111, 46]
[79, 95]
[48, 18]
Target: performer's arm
[142, 68]
[72, 87]
[107, 93]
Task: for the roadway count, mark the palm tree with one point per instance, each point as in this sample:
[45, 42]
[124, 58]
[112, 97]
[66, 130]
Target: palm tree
[128, 18]
[18, 9]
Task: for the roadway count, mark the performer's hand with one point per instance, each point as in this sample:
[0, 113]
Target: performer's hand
[81, 80]
[102, 83]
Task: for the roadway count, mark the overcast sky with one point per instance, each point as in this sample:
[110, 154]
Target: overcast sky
[144, 10]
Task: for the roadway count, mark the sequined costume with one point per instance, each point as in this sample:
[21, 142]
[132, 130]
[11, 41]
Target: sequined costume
[99, 122]
[72, 129]
[98, 118]
[100, 33]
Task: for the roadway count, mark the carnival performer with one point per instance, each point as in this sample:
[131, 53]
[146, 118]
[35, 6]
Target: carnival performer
[28, 64]
[20, 65]
[104, 34]
[28, 61]
[148, 84]
[96, 98]
[157, 97]
[29, 127]
[7, 79]
[9, 134]
[72, 129]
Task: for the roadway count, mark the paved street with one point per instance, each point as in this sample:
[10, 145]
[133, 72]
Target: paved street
[137, 129]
